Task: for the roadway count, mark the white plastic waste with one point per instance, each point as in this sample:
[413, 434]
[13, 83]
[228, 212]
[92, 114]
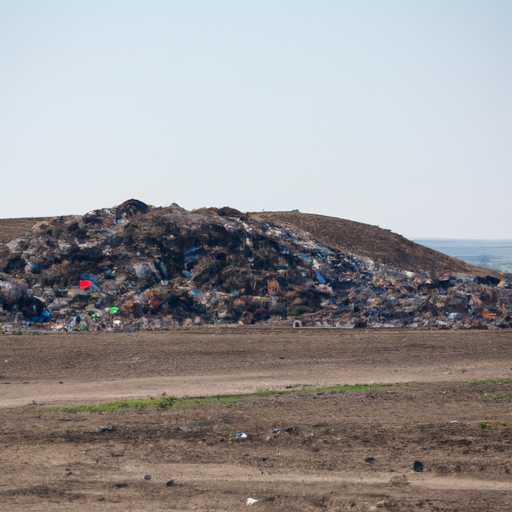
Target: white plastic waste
[250, 501]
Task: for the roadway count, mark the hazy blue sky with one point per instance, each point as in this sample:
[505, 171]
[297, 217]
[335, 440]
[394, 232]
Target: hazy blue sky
[394, 113]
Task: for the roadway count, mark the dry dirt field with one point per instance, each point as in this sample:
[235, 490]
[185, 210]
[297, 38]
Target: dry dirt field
[343, 449]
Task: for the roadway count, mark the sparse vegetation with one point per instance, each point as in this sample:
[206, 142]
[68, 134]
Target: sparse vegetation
[166, 403]
[491, 381]
[498, 396]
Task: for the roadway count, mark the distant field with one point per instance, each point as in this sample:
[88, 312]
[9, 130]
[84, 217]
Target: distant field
[495, 254]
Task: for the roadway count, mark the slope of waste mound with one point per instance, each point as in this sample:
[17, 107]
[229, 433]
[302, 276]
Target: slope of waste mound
[139, 267]
[13, 228]
[379, 244]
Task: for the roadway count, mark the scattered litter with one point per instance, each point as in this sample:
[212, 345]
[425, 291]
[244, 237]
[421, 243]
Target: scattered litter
[107, 429]
[275, 431]
[250, 501]
[452, 421]
[241, 435]
[418, 466]
[147, 477]
[85, 283]
[114, 310]
[320, 278]
[369, 460]
[170, 483]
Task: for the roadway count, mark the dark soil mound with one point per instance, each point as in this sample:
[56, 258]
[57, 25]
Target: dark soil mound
[13, 228]
[379, 244]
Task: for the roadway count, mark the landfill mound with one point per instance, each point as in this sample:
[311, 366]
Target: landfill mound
[138, 267]
[379, 244]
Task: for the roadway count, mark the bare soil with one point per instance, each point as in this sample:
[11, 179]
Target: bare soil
[337, 450]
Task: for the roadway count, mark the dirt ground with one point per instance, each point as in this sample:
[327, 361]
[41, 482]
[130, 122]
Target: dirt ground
[337, 450]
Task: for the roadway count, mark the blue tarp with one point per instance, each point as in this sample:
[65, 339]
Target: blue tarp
[320, 278]
[44, 317]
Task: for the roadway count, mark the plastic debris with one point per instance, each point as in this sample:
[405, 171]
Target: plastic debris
[114, 310]
[250, 501]
[452, 421]
[107, 429]
[93, 315]
[85, 283]
[418, 466]
[241, 435]
[147, 477]
[369, 460]
[320, 278]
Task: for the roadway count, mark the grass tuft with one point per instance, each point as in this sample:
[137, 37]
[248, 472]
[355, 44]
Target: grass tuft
[497, 396]
[491, 381]
[166, 403]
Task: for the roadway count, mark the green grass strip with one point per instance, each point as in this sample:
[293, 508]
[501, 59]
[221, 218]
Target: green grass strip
[166, 403]
[498, 396]
[491, 381]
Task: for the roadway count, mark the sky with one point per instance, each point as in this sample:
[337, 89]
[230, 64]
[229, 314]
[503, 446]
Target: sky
[392, 113]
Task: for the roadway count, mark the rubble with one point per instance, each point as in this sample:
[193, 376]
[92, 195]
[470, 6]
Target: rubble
[139, 267]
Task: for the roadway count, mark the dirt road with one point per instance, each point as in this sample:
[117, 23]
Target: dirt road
[337, 450]
[82, 367]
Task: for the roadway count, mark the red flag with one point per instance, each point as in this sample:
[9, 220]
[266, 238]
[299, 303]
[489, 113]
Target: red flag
[85, 283]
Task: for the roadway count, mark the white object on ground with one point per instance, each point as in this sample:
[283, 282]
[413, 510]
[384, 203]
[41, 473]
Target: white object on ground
[250, 501]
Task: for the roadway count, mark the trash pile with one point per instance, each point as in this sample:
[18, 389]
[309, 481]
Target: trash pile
[139, 267]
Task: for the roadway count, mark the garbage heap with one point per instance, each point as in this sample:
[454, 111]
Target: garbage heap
[138, 267]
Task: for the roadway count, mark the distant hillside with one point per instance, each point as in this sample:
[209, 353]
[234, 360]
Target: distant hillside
[493, 254]
[379, 244]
